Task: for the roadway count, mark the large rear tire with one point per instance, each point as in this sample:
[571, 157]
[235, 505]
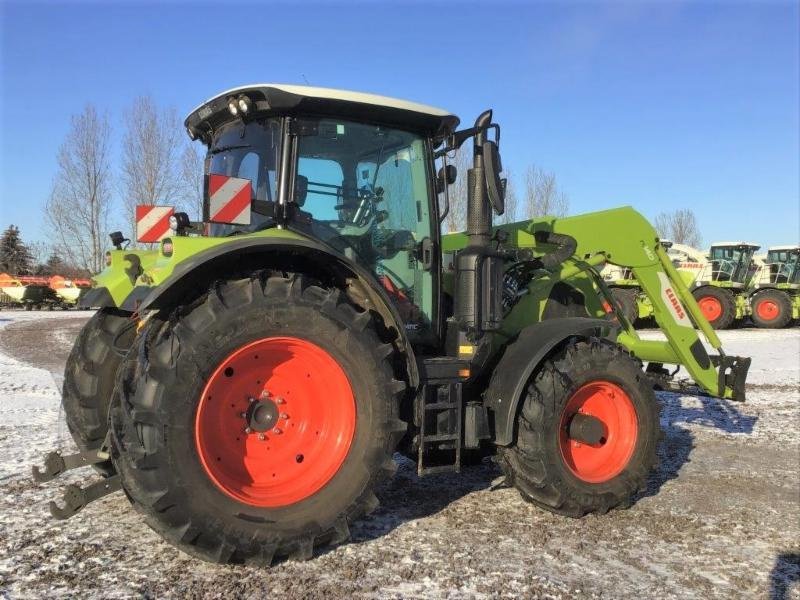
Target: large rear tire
[90, 374]
[772, 309]
[563, 476]
[234, 480]
[717, 305]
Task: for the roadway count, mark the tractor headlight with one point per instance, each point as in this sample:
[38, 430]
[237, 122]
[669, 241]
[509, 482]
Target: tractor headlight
[233, 107]
[166, 247]
[244, 104]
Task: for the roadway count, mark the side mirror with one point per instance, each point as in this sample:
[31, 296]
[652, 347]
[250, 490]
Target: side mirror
[495, 187]
[446, 176]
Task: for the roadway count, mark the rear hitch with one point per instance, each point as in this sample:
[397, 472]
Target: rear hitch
[55, 464]
[76, 497]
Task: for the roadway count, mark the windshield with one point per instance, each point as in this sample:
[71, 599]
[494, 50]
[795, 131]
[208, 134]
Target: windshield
[731, 263]
[783, 265]
[247, 151]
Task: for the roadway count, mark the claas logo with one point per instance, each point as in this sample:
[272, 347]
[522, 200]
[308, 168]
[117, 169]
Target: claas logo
[675, 303]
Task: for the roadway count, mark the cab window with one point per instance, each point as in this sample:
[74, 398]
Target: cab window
[365, 192]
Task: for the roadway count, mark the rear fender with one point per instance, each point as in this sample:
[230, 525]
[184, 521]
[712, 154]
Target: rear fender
[112, 286]
[520, 360]
[197, 273]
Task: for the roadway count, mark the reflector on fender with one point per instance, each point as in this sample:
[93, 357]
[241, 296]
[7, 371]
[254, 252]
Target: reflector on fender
[152, 222]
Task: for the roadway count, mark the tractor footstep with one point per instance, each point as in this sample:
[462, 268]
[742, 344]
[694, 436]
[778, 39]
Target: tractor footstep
[76, 497]
[55, 464]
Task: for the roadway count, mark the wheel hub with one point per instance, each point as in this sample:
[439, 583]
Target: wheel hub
[587, 429]
[262, 415]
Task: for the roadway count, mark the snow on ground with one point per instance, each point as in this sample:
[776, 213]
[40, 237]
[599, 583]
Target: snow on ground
[720, 517]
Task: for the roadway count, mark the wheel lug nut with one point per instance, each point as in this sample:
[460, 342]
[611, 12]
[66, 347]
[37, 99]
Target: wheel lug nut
[284, 416]
[277, 431]
[279, 400]
[261, 436]
[243, 415]
[247, 430]
[251, 400]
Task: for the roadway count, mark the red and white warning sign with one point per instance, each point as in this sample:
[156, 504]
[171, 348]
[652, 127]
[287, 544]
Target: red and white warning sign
[152, 222]
[229, 199]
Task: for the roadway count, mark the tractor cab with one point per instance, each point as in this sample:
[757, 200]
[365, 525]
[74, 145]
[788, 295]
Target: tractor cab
[353, 171]
[782, 265]
[732, 262]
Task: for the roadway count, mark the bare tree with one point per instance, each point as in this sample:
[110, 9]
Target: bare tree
[680, 227]
[192, 178]
[151, 152]
[78, 207]
[456, 219]
[542, 196]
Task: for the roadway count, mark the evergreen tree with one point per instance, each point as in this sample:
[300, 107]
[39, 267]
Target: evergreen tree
[54, 265]
[15, 258]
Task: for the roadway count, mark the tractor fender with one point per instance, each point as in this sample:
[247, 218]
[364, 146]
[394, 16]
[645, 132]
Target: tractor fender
[96, 297]
[202, 269]
[521, 358]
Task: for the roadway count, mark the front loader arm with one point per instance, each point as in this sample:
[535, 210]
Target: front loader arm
[677, 313]
[625, 238]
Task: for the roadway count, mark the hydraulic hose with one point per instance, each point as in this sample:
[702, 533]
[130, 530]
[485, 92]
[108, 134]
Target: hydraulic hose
[566, 247]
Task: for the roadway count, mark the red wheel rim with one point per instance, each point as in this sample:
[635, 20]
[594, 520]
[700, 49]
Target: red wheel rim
[297, 390]
[767, 310]
[610, 404]
[711, 307]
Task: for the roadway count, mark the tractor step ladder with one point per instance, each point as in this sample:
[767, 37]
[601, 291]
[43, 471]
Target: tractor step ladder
[439, 418]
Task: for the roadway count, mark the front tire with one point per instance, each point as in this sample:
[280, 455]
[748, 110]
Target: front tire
[772, 309]
[188, 439]
[554, 472]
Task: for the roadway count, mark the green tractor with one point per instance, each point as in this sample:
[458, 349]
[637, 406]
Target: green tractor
[720, 280]
[270, 361]
[775, 288]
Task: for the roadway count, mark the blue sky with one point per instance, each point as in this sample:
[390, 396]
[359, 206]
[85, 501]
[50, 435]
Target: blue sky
[658, 105]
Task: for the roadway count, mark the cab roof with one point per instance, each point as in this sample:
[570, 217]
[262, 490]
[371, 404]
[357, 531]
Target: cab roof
[307, 100]
[784, 248]
[729, 244]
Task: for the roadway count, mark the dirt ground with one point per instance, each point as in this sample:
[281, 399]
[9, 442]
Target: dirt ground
[720, 518]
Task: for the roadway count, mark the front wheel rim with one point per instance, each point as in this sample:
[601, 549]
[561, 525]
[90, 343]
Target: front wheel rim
[608, 402]
[768, 310]
[275, 422]
[711, 308]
